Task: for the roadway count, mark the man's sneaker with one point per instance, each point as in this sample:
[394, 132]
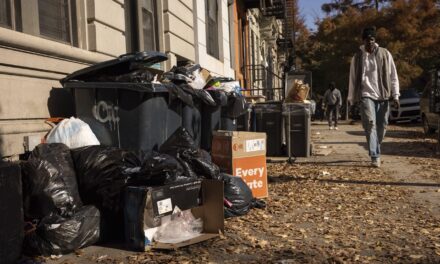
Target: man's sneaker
[336, 128]
[330, 128]
[375, 162]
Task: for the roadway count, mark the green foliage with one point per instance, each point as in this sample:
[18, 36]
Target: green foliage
[409, 29]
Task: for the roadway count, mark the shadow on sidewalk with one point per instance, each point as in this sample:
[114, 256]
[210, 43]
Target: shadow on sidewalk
[288, 178]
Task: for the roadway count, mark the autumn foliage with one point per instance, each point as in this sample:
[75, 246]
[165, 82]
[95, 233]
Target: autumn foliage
[409, 29]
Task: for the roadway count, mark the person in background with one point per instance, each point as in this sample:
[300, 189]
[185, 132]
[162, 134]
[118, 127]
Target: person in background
[373, 83]
[333, 101]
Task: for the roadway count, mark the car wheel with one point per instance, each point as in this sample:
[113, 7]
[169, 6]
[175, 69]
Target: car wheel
[426, 128]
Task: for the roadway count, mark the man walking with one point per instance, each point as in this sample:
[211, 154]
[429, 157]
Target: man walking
[373, 83]
[333, 101]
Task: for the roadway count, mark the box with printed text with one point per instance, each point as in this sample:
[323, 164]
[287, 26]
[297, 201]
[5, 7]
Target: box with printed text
[243, 154]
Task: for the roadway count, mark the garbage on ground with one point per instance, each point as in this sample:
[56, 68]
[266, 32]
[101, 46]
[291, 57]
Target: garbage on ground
[49, 182]
[298, 92]
[178, 227]
[148, 212]
[107, 169]
[72, 132]
[11, 212]
[238, 197]
[243, 154]
[54, 235]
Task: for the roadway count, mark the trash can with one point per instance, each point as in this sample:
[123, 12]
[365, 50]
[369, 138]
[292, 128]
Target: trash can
[11, 211]
[297, 125]
[192, 120]
[121, 104]
[268, 119]
[211, 117]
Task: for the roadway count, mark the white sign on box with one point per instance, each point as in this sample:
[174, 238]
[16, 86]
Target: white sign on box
[255, 145]
[164, 206]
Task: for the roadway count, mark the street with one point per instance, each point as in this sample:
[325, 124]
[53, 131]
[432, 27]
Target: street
[328, 209]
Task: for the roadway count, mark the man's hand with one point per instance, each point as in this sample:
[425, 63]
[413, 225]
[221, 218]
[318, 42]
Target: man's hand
[396, 103]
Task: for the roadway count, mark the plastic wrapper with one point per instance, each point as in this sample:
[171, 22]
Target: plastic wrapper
[198, 82]
[55, 235]
[72, 132]
[49, 182]
[178, 227]
[238, 197]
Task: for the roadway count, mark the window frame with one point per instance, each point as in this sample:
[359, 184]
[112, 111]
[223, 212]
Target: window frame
[26, 20]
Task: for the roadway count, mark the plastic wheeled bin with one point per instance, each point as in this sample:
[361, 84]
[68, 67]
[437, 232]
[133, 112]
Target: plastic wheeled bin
[211, 117]
[297, 125]
[121, 104]
[11, 212]
[268, 119]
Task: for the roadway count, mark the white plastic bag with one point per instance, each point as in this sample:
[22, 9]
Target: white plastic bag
[73, 132]
[181, 226]
[197, 82]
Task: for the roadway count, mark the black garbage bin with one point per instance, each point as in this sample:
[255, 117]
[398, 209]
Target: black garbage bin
[298, 135]
[122, 105]
[268, 119]
[11, 212]
[211, 117]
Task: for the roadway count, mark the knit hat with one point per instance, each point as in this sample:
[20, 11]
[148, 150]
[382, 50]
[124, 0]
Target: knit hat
[369, 32]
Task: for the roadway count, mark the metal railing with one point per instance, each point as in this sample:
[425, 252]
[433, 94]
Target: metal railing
[261, 81]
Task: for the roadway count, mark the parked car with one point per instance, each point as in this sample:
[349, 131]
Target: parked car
[409, 107]
[430, 119]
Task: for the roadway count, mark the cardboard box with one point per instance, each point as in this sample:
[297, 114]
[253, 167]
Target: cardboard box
[243, 154]
[145, 206]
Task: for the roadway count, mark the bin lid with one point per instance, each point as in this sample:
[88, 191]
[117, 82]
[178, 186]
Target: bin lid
[123, 64]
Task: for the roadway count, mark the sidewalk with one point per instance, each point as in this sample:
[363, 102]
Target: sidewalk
[333, 208]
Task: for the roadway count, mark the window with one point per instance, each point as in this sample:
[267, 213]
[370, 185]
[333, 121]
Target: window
[5, 13]
[54, 19]
[148, 25]
[212, 45]
[141, 25]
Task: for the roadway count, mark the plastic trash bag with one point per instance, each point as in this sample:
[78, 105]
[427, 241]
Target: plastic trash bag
[236, 105]
[178, 227]
[72, 132]
[198, 82]
[49, 182]
[238, 197]
[182, 146]
[103, 172]
[55, 235]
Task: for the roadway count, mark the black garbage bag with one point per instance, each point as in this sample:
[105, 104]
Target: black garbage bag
[176, 92]
[49, 182]
[182, 146]
[56, 235]
[179, 141]
[162, 169]
[238, 197]
[201, 162]
[236, 105]
[103, 172]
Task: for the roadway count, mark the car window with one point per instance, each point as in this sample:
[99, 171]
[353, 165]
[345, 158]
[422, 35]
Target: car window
[410, 93]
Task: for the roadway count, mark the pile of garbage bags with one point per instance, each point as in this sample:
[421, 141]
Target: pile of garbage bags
[74, 197]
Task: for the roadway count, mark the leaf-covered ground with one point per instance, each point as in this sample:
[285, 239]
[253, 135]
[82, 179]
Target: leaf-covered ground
[332, 209]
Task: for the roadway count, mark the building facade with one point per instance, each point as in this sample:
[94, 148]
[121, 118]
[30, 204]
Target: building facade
[42, 41]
